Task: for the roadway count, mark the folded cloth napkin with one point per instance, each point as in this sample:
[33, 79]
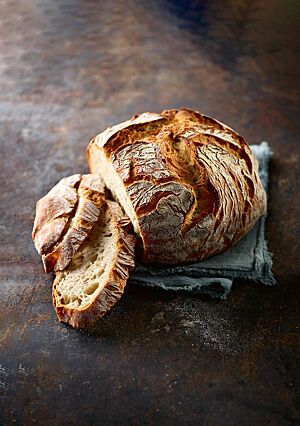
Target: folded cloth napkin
[248, 259]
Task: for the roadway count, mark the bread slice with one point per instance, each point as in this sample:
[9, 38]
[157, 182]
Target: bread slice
[91, 197]
[65, 217]
[53, 212]
[95, 279]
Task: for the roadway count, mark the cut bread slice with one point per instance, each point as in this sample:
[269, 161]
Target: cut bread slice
[95, 279]
[53, 213]
[90, 200]
[65, 217]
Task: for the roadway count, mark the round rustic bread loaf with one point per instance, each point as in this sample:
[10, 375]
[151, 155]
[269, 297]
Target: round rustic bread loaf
[189, 183]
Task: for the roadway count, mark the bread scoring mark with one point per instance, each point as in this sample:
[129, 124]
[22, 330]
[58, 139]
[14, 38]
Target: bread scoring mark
[146, 196]
[152, 204]
[104, 138]
[197, 124]
[138, 161]
[250, 184]
[239, 152]
[131, 133]
[203, 124]
[235, 199]
[181, 158]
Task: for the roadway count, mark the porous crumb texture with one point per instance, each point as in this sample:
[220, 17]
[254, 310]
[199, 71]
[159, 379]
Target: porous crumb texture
[96, 277]
[189, 183]
[85, 277]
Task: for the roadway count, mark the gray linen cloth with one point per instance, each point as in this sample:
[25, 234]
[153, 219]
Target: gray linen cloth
[248, 259]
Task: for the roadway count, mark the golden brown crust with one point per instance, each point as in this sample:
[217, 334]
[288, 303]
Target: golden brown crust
[53, 212]
[192, 182]
[122, 264]
[89, 198]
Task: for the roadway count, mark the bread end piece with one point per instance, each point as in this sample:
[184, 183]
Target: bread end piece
[65, 217]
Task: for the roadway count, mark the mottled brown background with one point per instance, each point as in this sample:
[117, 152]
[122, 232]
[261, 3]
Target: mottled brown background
[68, 69]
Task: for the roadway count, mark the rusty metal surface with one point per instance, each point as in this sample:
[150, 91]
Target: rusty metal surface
[68, 69]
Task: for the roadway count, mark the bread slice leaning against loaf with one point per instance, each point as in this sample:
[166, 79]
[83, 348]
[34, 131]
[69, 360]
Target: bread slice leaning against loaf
[85, 238]
[95, 279]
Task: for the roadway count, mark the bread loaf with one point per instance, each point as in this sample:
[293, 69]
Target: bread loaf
[189, 183]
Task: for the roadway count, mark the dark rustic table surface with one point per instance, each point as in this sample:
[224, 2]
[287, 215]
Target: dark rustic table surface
[69, 69]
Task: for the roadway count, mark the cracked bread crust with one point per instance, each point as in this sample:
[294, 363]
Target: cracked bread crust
[65, 217]
[111, 290]
[53, 212]
[189, 183]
